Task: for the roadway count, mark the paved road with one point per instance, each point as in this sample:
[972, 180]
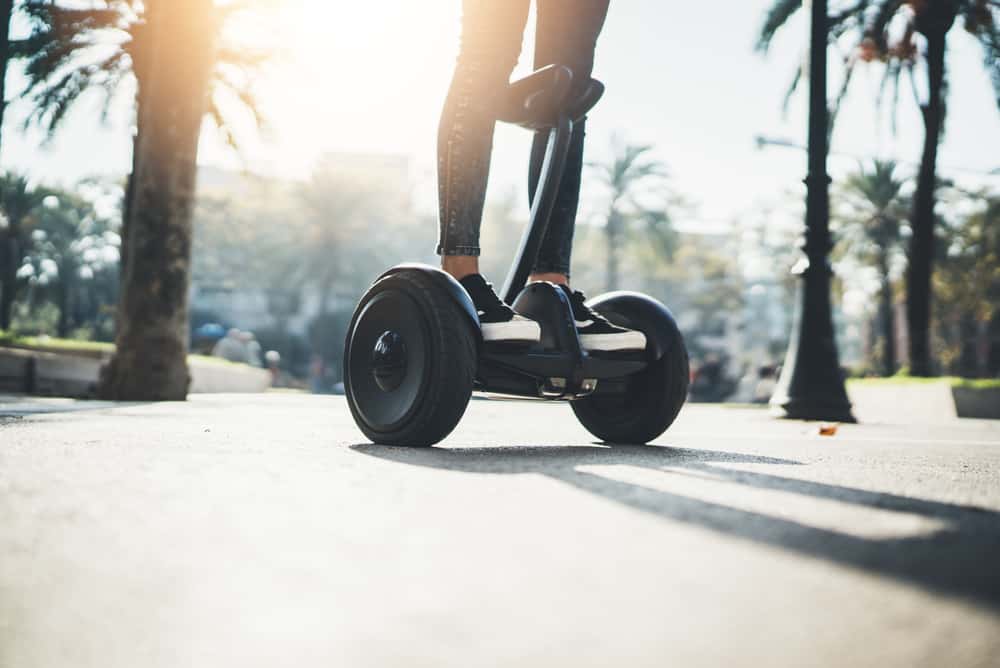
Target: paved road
[263, 531]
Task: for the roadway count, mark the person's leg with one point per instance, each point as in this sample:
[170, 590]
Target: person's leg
[567, 34]
[492, 32]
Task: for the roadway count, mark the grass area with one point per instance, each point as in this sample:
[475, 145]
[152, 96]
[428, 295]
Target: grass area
[976, 383]
[954, 381]
[56, 345]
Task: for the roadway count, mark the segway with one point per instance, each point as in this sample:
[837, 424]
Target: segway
[415, 353]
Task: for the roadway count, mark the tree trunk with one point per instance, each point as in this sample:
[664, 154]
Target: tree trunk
[921, 256]
[6, 9]
[12, 260]
[150, 362]
[141, 76]
[127, 205]
[62, 297]
[887, 318]
[983, 348]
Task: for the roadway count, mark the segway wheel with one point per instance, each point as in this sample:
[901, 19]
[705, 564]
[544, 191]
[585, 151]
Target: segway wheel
[652, 398]
[409, 361]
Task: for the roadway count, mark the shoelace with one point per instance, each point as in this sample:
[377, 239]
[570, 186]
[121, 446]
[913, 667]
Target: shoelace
[580, 308]
[490, 302]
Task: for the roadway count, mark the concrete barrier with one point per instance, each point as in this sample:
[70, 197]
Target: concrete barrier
[902, 403]
[210, 376]
[16, 374]
[977, 402]
[70, 375]
[921, 402]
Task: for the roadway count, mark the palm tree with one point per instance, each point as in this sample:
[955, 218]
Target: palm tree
[968, 282]
[6, 11]
[73, 50]
[150, 361]
[871, 25]
[874, 211]
[182, 70]
[627, 176]
[18, 200]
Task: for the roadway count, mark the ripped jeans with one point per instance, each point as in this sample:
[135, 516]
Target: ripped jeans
[492, 32]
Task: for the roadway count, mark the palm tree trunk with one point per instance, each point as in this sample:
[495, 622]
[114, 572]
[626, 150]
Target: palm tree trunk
[983, 348]
[921, 259]
[141, 84]
[62, 297]
[887, 318]
[12, 259]
[150, 362]
[6, 9]
[8, 265]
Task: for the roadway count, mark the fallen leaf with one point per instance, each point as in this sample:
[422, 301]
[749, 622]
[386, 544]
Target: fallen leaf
[828, 428]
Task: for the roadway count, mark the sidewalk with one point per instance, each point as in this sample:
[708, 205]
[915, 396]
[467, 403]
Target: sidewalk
[261, 530]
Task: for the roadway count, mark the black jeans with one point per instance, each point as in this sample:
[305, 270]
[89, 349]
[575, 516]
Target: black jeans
[492, 31]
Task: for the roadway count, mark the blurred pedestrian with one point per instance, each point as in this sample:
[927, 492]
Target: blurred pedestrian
[252, 348]
[272, 358]
[231, 347]
[765, 386]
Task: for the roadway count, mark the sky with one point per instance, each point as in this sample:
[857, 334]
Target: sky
[371, 76]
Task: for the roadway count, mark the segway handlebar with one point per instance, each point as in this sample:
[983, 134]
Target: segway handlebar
[541, 102]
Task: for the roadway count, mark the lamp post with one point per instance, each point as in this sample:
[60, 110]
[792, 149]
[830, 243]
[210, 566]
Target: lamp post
[811, 386]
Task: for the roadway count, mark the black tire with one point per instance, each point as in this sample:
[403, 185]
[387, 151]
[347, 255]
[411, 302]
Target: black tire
[651, 401]
[418, 401]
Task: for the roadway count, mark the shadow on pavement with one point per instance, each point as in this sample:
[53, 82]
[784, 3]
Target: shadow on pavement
[959, 559]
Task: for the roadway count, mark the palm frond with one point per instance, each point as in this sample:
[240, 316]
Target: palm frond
[853, 17]
[776, 16]
[71, 50]
[219, 120]
[786, 101]
[891, 76]
[838, 101]
[53, 102]
[877, 28]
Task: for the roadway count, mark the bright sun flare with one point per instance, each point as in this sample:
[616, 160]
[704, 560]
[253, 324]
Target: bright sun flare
[346, 70]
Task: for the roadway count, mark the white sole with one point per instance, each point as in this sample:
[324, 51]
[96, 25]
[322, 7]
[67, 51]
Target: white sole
[630, 340]
[518, 329]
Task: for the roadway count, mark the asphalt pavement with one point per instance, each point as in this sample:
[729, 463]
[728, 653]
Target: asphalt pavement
[262, 530]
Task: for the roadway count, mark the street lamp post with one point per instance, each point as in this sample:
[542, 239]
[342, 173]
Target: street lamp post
[811, 386]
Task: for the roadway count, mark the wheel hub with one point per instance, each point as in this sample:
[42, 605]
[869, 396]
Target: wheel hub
[389, 361]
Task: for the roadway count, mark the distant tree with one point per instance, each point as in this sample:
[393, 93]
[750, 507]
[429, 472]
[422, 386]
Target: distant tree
[18, 201]
[871, 214]
[886, 30]
[503, 224]
[352, 229]
[79, 246]
[309, 249]
[634, 183]
[968, 284]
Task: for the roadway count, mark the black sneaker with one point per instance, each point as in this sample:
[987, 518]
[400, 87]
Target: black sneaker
[596, 333]
[498, 321]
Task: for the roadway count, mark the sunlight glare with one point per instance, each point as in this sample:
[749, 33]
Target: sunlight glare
[348, 71]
